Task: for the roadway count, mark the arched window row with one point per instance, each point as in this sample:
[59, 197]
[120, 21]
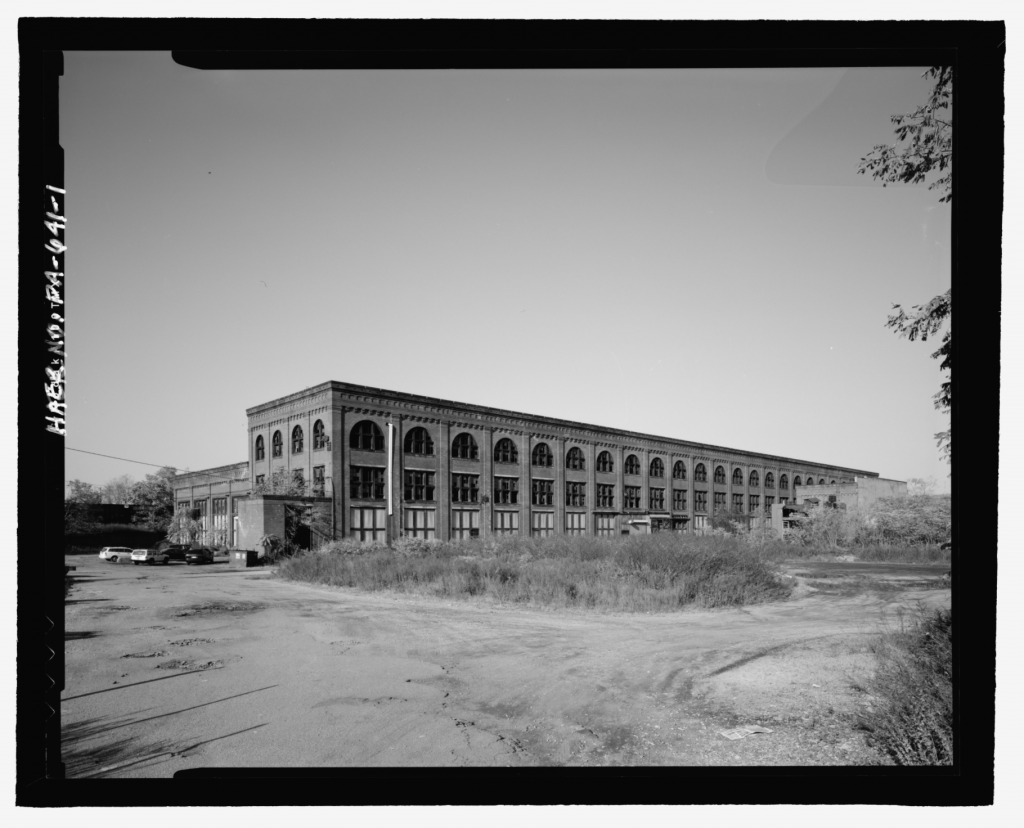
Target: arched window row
[542, 456]
[366, 436]
[575, 460]
[632, 465]
[419, 441]
[464, 447]
[506, 452]
[320, 440]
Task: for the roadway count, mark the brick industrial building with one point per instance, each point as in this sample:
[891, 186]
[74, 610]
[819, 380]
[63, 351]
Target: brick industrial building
[380, 464]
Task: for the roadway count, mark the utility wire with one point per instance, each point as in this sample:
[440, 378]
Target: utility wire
[155, 465]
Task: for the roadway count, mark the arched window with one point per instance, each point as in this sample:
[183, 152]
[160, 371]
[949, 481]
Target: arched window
[319, 435]
[769, 481]
[260, 450]
[506, 452]
[833, 483]
[632, 464]
[784, 483]
[575, 460]
[418, 441]
[737, 477]
[605, 462]
[366, 436]
[719, 475]
[542, 455]
[278, 444]
[796, 481]
[755, 479]
[296, 439]
[657, 468]
[464, 447]
[700, 474]
[679, 470]
[821, 481]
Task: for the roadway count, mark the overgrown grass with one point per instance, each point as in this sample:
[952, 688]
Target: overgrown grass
[644, 573]
[912, 721]
[870, 553]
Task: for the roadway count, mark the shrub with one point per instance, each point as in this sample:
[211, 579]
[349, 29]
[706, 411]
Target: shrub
[913, 685]
[641, 573]
[924, 519]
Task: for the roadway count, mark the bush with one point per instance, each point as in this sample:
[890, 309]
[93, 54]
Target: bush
[924, 519]
[913, 685]
[640, 573]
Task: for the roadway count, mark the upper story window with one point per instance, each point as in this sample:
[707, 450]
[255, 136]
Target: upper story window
[366, 483]
[755, 479]
[319, 435]
[821, 481]
[542, 455]
[418, 441]
[630, 497]
[833, 483]
[506, 489]
[737, 477]
[719, 475]
[575, 460]
[297, 440]
[679, 470]
[700, 474]
[656, 498]
[260, 449]
[575, 494]
[632, 464]
[657, 468]
[784, 483]
[464, 447]
[796, 481]
[506, 451]
[605, 495]
[366, 436]
[605, 462]
[419, 485]
[278, 444]
[769, 481]
[465, 488]
[543, 492]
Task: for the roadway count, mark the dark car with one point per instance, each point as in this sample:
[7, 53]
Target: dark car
[176, 551]
[200, 555]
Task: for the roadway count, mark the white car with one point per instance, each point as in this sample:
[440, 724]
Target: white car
[149, 556]
[112, 553]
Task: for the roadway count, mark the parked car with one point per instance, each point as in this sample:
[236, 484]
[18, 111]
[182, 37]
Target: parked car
[149, 556]
[176, 551]
[112, 553]
[200, 555]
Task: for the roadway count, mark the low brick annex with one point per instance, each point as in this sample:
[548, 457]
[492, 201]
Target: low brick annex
[393, 464]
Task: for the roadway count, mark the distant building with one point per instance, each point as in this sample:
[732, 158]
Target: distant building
[386, 464]
[860, 493]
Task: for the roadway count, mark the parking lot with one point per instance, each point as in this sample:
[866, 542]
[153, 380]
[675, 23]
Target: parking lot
[173, 667]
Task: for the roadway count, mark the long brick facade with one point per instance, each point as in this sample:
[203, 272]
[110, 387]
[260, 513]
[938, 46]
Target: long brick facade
[566, 477]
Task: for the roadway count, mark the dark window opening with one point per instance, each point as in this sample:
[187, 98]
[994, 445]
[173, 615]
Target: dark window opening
[366, 436]
[366, 483]
[632, 465]
[542, 456]
[605, 462]
[575, 460]
[418, 441]
[465, 488]
[464, 447]
[506, 490]
[657, 468]
[260, 449]
[419, 485]
[506, 452]
[543, 492]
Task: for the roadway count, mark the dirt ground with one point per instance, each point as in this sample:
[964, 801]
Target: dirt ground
[174, 667]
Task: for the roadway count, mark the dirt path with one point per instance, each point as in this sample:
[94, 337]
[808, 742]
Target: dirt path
[177, 667]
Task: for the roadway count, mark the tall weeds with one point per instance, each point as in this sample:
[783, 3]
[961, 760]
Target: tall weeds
[637, 574]
[912, 721]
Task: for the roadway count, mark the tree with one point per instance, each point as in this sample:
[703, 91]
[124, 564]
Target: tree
[155, 498]
[185, 526]
[924, 146]
[282, 483]
[918, 486]
[81, 492]
[118, 490]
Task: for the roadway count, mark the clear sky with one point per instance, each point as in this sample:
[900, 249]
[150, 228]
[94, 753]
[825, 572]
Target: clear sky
[684, 253]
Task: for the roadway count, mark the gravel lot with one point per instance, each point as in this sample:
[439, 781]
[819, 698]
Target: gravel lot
[174, 667]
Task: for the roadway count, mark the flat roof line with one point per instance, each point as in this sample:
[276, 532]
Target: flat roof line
[482, 409]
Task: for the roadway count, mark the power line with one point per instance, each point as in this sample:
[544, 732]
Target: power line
[154, 465]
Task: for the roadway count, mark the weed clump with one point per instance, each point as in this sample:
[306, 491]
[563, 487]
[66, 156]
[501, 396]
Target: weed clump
[912, 721]
[643, 573]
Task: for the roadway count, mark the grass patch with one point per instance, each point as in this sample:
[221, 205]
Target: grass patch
[638, 574]
[912, 721]
[867, 553]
